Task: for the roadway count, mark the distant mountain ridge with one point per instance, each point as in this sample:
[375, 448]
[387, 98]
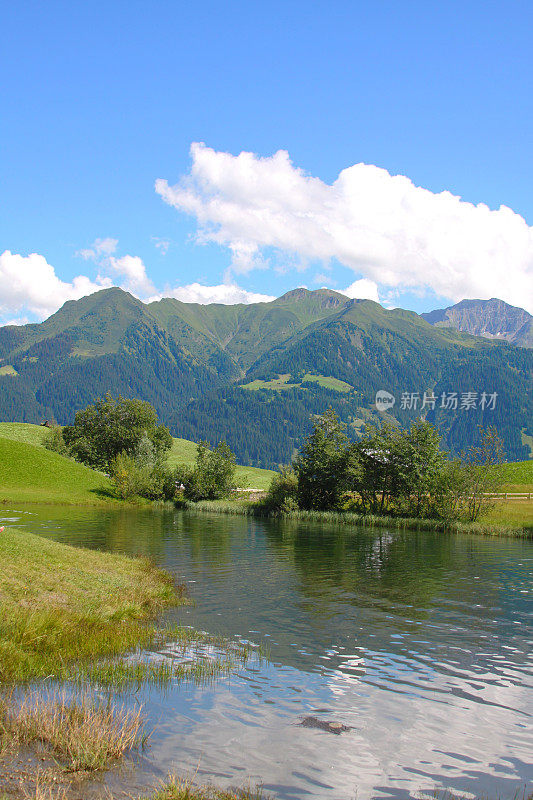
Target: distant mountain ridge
[493, 319]
[213, 371]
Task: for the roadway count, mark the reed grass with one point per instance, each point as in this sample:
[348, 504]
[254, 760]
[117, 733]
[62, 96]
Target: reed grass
[86, 735]
[250, 509]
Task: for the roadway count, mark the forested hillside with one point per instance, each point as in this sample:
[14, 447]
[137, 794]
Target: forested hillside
[213, 371]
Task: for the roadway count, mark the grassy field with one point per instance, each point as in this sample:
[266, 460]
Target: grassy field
[183, 452]
[282, 382]
[24, 432]
[61, 604]
[29, 473]
[512, 512]
[517, 476]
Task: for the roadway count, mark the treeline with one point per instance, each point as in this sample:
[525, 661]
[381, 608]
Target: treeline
[390, 471]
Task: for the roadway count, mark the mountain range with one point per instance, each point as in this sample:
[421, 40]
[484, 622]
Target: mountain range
[492, 319]
[253, 374]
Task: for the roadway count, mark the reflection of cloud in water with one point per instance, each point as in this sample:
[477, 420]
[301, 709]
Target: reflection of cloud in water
[405, 735]
[422, 643]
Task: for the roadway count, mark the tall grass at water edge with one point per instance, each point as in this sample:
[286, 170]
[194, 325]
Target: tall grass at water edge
[250, 509]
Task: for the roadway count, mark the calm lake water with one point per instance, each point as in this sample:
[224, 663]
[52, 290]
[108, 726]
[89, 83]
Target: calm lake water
[421, 643]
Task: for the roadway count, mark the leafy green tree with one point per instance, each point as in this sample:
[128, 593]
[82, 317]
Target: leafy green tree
[377, 468]
[213, 476]
[400, 470]
[424, 464]
[282, 495]
[321, 464]
[111, 426]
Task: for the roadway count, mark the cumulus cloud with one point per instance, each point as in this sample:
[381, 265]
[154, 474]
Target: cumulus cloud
[30, 283]
[363, 289]
[133, 273]
[382, 226]
[225, 293]
[30, 289]
[131, 269]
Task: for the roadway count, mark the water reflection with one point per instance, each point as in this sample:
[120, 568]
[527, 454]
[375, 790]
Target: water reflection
[420, 642]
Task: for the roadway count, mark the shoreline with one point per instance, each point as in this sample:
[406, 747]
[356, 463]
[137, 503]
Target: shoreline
[70, 615]
[250, 509]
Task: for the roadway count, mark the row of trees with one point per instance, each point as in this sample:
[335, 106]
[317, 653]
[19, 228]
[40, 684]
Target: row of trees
[123, 438]
[390, 470]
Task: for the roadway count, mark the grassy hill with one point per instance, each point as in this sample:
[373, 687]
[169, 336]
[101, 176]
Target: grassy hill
[30, 473]
[518, 476]
[183, 452]
[23, 432]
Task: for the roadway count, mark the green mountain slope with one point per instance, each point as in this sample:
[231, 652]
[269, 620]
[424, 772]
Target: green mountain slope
[193, 363]
[183, 452]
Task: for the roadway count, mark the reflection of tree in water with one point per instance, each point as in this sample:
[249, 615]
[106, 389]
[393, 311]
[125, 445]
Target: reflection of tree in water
[386, 589]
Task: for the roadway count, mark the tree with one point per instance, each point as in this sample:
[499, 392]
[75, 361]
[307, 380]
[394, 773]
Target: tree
[283, 491]
[482, 474]
[399, 470]
[109, 427]
[321, 464]
[213, 476]
[423, 465]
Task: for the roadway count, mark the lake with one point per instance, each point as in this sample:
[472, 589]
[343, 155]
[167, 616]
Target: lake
[419, 643]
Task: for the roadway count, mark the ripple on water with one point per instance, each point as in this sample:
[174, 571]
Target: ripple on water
[420, 644]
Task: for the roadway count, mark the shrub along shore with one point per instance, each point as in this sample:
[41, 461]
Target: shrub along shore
[251, 509]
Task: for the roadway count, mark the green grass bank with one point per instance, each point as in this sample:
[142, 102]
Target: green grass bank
[62, 605]
[485, 528]
[183, 451]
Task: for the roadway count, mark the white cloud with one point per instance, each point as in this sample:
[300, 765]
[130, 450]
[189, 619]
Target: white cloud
[161, 244]
[132, 269]
[363, 289]
[99, 248]
[383, 227]
[30, 290]
[224, 293]
[30, 284]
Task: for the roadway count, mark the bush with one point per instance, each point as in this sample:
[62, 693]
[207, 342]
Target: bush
[55, 441]
[213, 477]
[129, 478]
[283, 492]
[132, 478]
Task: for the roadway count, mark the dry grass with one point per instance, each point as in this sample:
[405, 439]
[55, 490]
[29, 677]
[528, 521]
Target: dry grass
[84, 734]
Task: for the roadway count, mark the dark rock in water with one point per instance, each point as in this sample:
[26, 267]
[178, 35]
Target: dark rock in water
[324, 725]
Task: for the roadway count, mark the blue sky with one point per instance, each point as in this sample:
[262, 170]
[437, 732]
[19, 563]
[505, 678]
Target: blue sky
[99, 100]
